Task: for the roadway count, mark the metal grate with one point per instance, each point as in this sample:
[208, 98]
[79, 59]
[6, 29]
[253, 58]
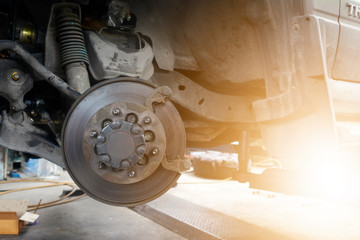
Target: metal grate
[196, 222]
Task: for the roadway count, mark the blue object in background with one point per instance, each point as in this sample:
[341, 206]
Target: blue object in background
[14, 174]
[32, 166]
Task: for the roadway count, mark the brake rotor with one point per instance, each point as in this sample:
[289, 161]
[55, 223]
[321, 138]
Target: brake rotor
[113, 144]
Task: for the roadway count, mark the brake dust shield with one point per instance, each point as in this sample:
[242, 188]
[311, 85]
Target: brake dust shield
[114, 142]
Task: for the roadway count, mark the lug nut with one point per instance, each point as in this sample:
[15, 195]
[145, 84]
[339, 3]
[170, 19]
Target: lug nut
[135, 130]
[155, 151]
[105, 158]
[140, 150]
[147, 120]
[115, 125]
[93, 134]
[116, 111]
[101, 139]
[15, 76]
[131, 173]
[149, 136]
[124, 164]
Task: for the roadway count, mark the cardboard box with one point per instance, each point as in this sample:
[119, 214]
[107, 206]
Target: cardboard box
[10, 224]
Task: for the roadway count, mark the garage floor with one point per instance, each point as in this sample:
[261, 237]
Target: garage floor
[291, 217]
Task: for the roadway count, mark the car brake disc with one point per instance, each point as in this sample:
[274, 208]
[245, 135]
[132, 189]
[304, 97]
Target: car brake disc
[114, 142]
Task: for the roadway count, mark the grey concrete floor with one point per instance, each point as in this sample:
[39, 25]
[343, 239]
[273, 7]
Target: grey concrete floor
[291, 216]
[85, 218]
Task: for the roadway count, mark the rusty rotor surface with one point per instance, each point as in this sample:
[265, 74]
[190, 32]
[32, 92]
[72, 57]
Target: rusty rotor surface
[113, 145]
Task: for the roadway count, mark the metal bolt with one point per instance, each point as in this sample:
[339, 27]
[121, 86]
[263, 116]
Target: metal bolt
[140, 150]
[116, 111]
[147, 120]
[124, 164]
[105, 158]
[149, 136]
[15, 76]
[131, 173]
[155, 151]
[135, 130]
[93, 134]
[101, 139]
[100, 165]
[115, 125]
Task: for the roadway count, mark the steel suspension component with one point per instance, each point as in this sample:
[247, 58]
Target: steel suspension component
[70, 37]
[115, 144]
[74, 57]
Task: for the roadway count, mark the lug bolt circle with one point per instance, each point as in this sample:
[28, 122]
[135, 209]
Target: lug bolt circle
[147, 120]
[116, 111]
[131, 173]
[155, 151]
[93, 134]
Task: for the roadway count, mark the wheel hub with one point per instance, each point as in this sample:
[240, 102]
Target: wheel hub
[114, 145]
[124, 143]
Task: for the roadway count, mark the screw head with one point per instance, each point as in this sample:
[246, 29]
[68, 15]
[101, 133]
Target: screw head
[147, 120]
[15, 76]
[131, 173]
[105, 158]
[155, 151]
[116, 111]
[93, 134]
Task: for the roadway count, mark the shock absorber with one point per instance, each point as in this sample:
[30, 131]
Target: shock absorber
[74, 57]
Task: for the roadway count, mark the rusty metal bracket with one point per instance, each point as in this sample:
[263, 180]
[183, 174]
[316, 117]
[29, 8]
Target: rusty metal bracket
[207, 104]
[160, 95]
[179, 164]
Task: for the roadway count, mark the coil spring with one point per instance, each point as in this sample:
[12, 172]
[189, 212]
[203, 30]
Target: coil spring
[70, 37]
